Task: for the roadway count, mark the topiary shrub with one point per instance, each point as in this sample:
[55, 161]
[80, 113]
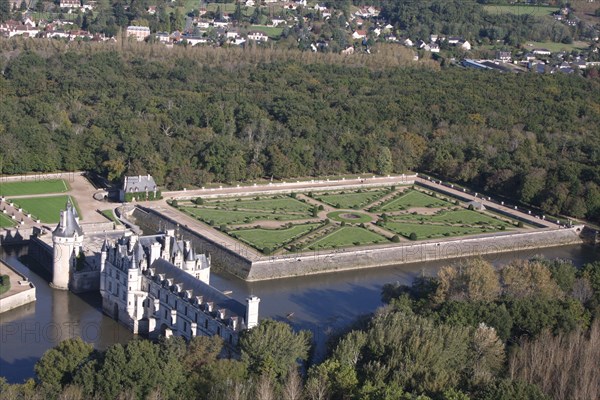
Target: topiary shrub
[396, 239]
[412, 236]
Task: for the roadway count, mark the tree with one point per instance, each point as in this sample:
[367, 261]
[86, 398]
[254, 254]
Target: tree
[57, 366]
[385, 164]
[272, 347]
[528, 278]
[474, 280]
[4, 10]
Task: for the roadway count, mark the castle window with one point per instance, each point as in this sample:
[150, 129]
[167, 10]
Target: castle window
[206, 324]
[124, 296]
[176, 304]
[166, 314]
[219, 330]
[184, 326]
[185, 312]
[110, 286]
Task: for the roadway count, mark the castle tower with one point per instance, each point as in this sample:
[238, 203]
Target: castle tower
[67, 239]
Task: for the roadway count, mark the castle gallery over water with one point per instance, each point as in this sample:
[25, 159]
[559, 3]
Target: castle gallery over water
[155, 285]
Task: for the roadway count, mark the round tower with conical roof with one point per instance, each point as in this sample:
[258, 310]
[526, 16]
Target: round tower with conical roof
[67, 241]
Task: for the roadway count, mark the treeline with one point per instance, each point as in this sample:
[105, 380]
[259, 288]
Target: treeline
[195, 116]
[469, 18]
[528, 331]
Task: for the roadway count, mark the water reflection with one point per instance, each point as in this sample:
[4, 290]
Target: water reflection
[324, 304]
[28, 331]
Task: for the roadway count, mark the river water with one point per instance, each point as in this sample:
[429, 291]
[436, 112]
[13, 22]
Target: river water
[324, 304]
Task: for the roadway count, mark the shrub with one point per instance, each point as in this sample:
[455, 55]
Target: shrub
[199, 201]
[412, 236]
[520, 224]
[396, 239]
[4, 284]
[267, 250]
[321, 208]
[343, 223]
[174, 203]
[293, 195]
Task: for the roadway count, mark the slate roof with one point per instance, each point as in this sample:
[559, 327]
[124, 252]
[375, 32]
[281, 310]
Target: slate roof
[199, 288]
[139, 183]
[68, 225]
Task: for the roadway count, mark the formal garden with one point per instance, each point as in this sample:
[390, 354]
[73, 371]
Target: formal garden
[325, 220]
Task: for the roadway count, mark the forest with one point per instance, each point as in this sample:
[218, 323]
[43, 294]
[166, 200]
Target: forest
[193, 116]
[526, 331]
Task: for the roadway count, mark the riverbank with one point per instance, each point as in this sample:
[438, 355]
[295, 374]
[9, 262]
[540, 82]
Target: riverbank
[21, 291]
[251, 266]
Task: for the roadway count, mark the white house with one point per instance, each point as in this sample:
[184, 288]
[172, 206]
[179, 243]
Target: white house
[140, 33]
[70, 4]
[258, 36]
[466, 45]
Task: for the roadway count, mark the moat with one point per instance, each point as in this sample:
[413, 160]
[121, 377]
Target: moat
[322, 303]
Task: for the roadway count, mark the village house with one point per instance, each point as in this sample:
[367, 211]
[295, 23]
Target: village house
[70, 4]
[504, 56]
[140, 33]
[257, 36]
[359, 34]
[542, 52]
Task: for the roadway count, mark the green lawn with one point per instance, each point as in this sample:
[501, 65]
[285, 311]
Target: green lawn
[33, 187]
[273, 32]
[358, 217]
[351, 200]
[111, 216]
[347, 236]
[272, 238]
[413, 198]
[555, 47]
[425, 231]
[467, 217]
[6, 222]
[228, 217]
[47, 209]
[284, 204]
[520, 9]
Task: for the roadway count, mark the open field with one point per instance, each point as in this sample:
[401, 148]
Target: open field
[555, 47]
[287, 223]
[521, 9]
[33, 187]
[413, 198]
[47, 209]
[6, 222]
[351, 200]
[272, 238]
[347, 236]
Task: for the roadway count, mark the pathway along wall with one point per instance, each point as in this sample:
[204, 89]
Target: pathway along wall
[316, 262]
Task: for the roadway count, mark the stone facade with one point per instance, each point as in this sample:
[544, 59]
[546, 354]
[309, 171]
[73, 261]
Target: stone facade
[67, 241]
[158, 285]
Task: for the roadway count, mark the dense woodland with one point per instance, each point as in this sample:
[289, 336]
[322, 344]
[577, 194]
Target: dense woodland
[528, 331]
[193, 116]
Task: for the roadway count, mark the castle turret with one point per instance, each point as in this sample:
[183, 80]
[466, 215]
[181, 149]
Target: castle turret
[67, 239]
